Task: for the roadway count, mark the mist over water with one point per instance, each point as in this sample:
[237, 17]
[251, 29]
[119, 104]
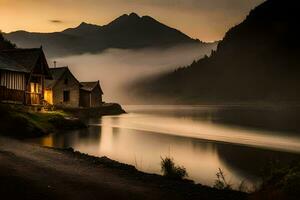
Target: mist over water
[193, 135]
[117, 68]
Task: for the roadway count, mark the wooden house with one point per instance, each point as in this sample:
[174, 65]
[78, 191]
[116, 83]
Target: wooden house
[12, 81]
[64, 89]
[90, 94]
[22, 75]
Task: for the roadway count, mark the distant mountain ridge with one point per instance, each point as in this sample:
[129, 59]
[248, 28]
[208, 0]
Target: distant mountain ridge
[126, 32]
[258, 60]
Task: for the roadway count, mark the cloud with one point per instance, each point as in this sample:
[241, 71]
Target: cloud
[56, 21]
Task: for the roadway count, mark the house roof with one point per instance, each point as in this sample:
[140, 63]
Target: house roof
[90, 86]
[10, 65]
[57, 74]
[28, 58]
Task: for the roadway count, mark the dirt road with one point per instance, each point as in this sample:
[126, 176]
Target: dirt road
[33, 172]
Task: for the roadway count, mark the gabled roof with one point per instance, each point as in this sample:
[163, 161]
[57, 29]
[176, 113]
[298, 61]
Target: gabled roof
[28, 58]
[57, 74]
[8, 64]
[90, 86]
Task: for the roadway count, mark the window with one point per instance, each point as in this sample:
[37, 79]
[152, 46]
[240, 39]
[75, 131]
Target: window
[66, 96]
[66, 81]
[35, 88]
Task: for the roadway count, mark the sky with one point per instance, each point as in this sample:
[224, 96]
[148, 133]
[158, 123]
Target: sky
[207, 20]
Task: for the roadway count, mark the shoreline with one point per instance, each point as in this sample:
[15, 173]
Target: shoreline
[31, 171]
[19, 121]
[85, 169]
[105, 109]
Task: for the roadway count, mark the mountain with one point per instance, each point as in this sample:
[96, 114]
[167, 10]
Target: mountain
[258, 60]
[126, 32]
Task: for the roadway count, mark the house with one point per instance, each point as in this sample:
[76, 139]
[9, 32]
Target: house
[22, 75]
[64, 89]
[12, 81]
[90, 94]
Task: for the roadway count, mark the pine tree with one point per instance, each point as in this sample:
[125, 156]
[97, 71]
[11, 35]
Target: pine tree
[5, 44]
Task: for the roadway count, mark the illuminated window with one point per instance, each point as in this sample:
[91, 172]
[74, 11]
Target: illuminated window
[35, 88]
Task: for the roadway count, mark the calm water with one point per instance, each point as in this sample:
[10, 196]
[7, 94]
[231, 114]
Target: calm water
[189, 134]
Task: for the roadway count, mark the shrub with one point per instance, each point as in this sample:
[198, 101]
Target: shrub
[282, 180]
[170, 170]
[221, 182]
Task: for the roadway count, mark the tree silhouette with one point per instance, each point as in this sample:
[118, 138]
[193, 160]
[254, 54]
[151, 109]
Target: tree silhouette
[5, 44]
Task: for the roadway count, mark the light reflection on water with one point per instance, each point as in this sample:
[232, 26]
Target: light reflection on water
[186, 133]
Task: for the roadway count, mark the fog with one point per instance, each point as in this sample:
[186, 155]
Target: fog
[116, 68]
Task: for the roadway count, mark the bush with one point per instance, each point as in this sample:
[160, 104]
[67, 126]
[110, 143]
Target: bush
[283, 180]
[169, 169]
[221, 182]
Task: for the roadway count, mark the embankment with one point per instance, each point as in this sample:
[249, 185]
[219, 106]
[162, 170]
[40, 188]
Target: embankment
[21, 122]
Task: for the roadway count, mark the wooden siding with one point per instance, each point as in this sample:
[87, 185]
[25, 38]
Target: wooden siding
[91, 99]
[13, 80]
[96, 97]
[12, 86]
[85, 99]
[11, 95]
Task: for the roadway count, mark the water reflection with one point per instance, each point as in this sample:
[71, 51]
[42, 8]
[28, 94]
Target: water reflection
[189, 135]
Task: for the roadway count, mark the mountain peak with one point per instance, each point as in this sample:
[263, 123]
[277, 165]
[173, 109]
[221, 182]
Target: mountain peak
[83, 24]
[129, 31]
[87, 25]
[82, 29]
[133, 15]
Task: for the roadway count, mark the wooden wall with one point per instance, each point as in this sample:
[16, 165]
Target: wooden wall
[84, 99]
[96, 97]
[91, 99]
[12, 86]
[10, 95]
[13, 80]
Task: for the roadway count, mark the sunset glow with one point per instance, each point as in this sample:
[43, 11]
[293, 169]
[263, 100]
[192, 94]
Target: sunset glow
[206, 20]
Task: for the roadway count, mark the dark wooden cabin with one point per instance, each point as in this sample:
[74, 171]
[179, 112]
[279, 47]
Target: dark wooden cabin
[63, 90]
[90, 94]
[12, 81]
[23, 73]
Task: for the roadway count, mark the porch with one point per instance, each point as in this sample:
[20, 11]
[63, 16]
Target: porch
[11, 95]
[34, 93]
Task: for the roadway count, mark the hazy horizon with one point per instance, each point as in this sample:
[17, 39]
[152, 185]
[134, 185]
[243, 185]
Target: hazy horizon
[116, 68]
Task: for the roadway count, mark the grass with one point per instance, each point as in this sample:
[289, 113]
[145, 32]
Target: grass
[170, 170]
[17, 121]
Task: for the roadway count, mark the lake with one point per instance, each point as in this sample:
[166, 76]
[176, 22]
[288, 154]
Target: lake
[196, 137]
